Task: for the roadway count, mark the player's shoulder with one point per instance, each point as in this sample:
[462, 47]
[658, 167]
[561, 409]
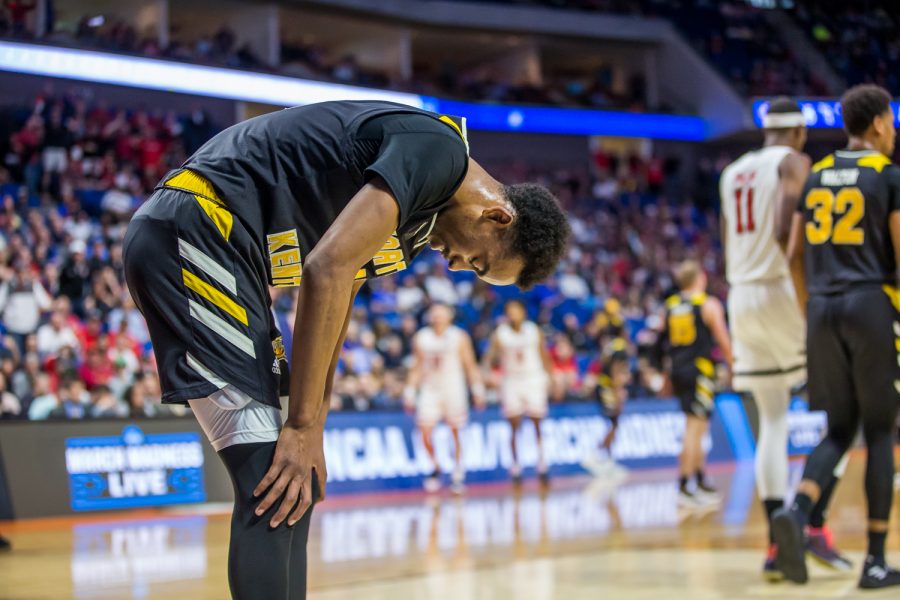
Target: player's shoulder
[673, 300]
[825, 163]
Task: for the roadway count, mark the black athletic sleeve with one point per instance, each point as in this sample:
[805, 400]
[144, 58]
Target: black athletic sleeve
[422, 168]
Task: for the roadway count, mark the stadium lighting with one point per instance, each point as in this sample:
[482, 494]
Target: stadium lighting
[148, 73]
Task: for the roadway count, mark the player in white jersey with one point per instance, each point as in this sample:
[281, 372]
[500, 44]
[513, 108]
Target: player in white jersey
[518, 345]
[443, 360]
[759, 193]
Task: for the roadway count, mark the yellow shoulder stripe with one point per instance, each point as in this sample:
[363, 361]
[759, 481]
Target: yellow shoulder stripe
[698, 299]
[673, 301]
[874, 161]
[825, 163]
[194, 283]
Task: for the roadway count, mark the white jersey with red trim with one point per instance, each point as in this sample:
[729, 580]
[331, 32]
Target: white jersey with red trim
[441, 357]
[749, 195]
[520, 351]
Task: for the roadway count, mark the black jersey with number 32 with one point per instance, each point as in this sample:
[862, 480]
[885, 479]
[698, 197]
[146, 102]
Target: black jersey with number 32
[846, 204]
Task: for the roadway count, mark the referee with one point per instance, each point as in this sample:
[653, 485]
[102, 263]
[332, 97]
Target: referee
[329, 194]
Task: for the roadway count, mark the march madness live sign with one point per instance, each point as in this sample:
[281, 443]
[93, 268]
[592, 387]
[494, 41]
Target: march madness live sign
[135, 469]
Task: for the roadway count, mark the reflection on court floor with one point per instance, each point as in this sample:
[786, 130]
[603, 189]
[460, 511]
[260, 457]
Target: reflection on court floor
[624, 538]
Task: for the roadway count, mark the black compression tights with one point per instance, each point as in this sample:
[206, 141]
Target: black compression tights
[878, 431]
[263, 563]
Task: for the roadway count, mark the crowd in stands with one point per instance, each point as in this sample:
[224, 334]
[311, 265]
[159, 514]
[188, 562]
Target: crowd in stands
[73, 344]
[860, 40]
[732, 34]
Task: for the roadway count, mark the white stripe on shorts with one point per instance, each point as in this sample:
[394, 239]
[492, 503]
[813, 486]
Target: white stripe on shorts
[238, 339]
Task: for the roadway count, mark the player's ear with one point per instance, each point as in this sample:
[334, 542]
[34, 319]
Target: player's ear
[498, 214]
[878, 125]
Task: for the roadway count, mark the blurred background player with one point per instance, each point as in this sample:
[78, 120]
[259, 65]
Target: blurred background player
[693, 321]
[443, 359]
[847, 232]
[610, 387]
[759, 193]
[519, 346]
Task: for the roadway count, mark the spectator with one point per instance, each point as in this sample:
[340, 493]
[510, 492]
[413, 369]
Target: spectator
[73, 400]
[55, 334]
[10, 405]
[44, 401]
[22, 300]
[105, 405]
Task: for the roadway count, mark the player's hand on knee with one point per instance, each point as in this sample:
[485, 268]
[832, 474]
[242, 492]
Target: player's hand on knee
[299, 456]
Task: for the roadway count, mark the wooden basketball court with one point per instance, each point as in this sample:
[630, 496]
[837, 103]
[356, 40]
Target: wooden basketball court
[581, 539]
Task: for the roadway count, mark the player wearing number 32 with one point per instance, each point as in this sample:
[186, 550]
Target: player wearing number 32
[759, 193]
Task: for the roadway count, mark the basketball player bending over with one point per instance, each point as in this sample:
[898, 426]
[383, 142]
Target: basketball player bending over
[525, 363]
[333, 194]
[443, 358]
[847, 231]
[759, 193]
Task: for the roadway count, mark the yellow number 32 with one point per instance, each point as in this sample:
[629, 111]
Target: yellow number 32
[849, 203]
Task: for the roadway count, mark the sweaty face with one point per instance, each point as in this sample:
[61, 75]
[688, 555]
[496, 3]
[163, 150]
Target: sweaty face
[476, 244]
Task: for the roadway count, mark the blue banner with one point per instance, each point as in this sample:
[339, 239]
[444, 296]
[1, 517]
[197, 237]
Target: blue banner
[571, 121]
[135, 469]
[822, 114]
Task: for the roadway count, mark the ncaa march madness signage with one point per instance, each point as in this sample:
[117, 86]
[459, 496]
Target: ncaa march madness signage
[135, 469]
[383, 451]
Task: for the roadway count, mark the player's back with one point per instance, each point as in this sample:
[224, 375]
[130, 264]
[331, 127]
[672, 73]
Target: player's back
[749, 190]
[846, 204]
[689, 338]
[520, 350]
[441, 356]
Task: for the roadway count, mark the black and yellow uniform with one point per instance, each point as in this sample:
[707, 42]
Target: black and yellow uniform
[853, 334]
[690, 343]
[612, 379]
[245, 210]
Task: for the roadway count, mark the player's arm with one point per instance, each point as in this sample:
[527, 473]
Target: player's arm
[473, 373]
[329, 274]
[413, 378]
[796, 247]
[545, 354]
[713, 315]
[792, 174]
[332, 368]
[489, 360]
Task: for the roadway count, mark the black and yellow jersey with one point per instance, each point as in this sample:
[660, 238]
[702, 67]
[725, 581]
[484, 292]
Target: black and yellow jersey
[287, 175]
[687, 337]
[846, 204]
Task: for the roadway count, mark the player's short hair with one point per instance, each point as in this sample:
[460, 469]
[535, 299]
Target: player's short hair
[861, 104]
[687, 273]
[540, 232]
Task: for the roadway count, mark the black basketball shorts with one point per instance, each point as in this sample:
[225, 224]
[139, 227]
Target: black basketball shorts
[200, 281]
[853, 349]
[695, 388]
